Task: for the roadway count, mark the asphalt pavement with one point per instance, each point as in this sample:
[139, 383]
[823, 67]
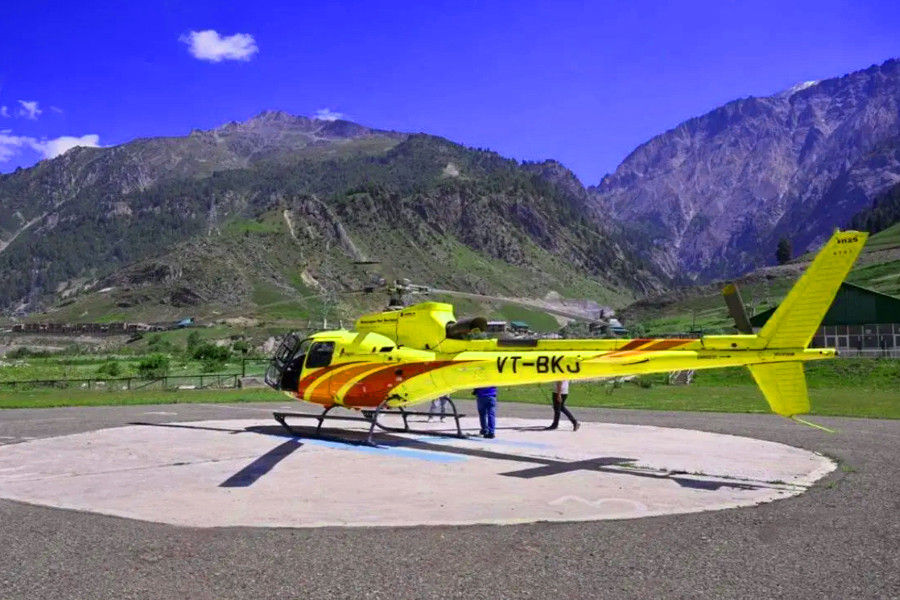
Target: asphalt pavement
[840, 539]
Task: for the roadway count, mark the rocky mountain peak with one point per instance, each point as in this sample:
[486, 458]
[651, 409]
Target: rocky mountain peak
[711, 197]
[558, 174]
[797, 87]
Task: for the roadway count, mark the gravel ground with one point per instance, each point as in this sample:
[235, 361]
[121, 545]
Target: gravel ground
[841, 539]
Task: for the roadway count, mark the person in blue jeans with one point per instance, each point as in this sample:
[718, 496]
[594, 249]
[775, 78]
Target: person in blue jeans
[486, 398]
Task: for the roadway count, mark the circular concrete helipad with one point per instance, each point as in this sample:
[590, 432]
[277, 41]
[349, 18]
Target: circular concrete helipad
[250, 472]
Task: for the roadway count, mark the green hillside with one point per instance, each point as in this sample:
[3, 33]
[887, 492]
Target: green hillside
[265, 237]
[701, 308]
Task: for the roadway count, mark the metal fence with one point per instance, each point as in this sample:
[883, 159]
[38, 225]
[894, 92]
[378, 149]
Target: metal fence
[250, 367]
[868, 353]
[217, 381]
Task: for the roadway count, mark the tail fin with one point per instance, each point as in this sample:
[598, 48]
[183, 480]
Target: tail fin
[784, 387]
[798, 317]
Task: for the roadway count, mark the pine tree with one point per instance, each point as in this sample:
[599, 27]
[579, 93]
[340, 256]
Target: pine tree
[784, 251]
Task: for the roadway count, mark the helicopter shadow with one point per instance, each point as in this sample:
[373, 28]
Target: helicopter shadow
[541, 466]
[253, 471]
[545, 466]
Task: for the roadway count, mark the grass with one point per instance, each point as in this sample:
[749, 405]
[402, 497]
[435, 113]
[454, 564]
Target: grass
[846, 387]
[47, 369]
[86, 366]
[514, 280]
[846, 402]
[846, 373]
[537, 320]
[112, 317]
[702, 309]
[241, 226]
[851, 387]
[266, 293]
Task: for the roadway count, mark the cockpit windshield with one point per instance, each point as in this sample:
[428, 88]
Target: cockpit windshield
[284, 368]
[301, 350]
[290, 346]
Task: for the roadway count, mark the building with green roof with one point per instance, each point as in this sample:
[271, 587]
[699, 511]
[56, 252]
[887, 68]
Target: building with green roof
[860, 321]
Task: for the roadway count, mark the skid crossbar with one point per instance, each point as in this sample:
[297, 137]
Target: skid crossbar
[371, 417]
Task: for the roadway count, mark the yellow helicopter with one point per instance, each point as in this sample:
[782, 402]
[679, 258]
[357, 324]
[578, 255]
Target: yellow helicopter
[409, 355]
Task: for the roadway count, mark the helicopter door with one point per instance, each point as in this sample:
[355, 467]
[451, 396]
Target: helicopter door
[319, 355]
[284, 368]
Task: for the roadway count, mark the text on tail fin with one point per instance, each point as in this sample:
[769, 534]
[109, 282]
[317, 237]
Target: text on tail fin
[798, 316]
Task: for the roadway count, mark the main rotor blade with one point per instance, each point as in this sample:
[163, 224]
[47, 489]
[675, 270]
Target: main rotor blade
[569, 314]
[736, 308]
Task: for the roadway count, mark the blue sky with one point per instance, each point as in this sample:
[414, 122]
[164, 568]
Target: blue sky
[580, 82]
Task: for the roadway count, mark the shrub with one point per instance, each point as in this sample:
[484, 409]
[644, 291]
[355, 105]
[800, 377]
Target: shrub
[193, 340]
[25, 352]
[156, 343]
[644, 381]
[111, 368]
[153, 366]
[212, 358]
[211, 365]
[20, 352]
[207, 351]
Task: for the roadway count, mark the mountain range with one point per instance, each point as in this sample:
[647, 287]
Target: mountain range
[253, 215]
[277, 207]
[712, 197]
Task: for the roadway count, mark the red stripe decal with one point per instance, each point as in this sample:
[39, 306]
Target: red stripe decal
[634, 344]
[373, 389]
[325, 388]
[666, 344]
[301, 387]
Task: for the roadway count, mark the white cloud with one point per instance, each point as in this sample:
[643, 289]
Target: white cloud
[57, 110]
[30, 109]
[4, 111]
[209, 45]
[326, 114]
[10, 144]
[64, 143]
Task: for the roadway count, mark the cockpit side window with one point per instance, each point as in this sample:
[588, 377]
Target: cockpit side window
[319, 355]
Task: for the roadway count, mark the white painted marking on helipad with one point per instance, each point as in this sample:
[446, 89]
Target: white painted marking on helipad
[161, 413]
[626, 503]
[200, 474]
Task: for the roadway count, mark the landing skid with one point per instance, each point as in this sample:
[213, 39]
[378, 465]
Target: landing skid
[371, 417]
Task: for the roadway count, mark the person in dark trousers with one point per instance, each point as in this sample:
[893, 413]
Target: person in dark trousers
[486, 398]
[560, 393]
[438, 404]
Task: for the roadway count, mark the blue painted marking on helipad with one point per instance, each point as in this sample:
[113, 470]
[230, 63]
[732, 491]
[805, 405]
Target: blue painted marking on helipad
[431, 456]
[481, 440]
